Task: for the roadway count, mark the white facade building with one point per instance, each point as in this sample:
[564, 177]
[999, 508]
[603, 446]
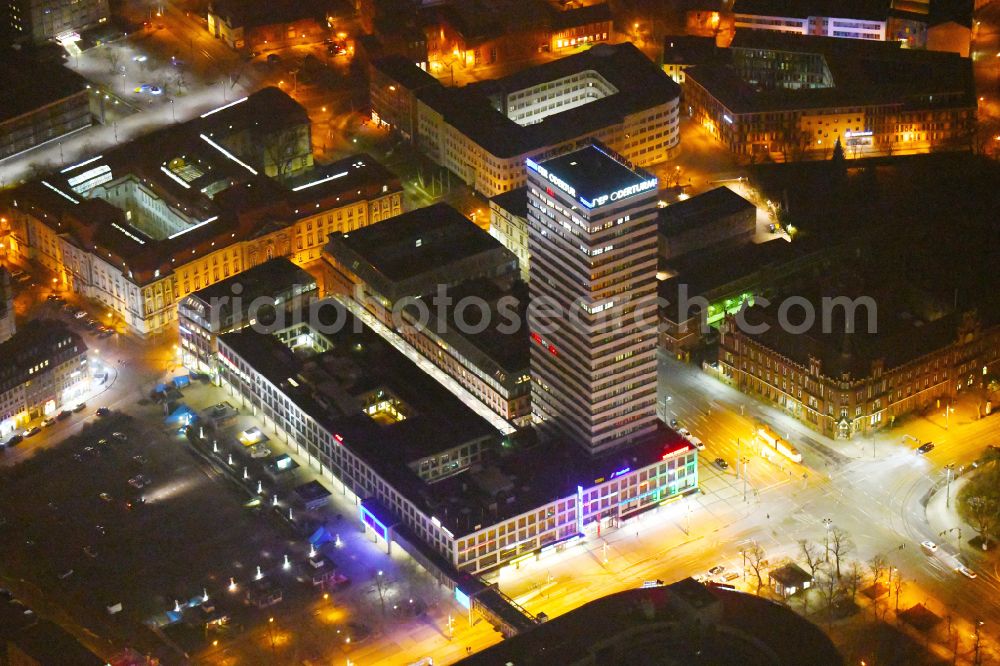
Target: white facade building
[592, 225]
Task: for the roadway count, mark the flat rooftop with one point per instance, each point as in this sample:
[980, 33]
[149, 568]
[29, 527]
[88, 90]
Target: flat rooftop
[473, 109]
[594, 171]
[503, 354]
[701, 209]
[263, 280]
[513, 201]
[332, 386]
[411, 253]
[864, 72]
[334, 382]
[528, 474]
[21, 80]
[690, 50]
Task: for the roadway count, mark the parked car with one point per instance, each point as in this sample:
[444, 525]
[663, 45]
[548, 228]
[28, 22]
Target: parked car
[273, 58]
[14, 441]
[102, 412]
[32, 431]
[139, 481]
[48, 421]
[79, 314]
[120, 436]
[80, 406]
[63, 415]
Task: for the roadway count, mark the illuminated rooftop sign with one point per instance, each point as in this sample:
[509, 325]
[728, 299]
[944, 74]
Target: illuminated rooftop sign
[551, 177]
[623, 193]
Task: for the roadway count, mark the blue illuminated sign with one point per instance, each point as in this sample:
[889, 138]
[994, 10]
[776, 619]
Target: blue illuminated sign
[369, 519]
[637, 188]
[623, 193]
[551, 177]
[463, 599]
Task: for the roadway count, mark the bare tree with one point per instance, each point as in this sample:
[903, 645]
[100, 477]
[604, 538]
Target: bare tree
[114, 57]
[855, 575]
[877, 565]
[829, 590]
[840, 545]
[282, 149]
[813, 558]
[898, 585]
[755, 557]
[982, 134]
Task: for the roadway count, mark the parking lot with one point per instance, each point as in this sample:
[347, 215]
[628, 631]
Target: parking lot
[74, 525]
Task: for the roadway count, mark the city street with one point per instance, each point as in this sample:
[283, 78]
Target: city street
[875, 500]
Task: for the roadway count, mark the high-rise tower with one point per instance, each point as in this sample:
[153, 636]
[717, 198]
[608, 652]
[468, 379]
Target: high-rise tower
[592, 237]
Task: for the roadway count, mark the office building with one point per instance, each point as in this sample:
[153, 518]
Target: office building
[484, 132]
[142, 226]
[509, 225]
[396, 268]
[426, 473]
[592, 220]
[902, 21]
[264, 294]
[44, 369]
[39, 21]
[32, 114]
[487, 359]
[788, 97]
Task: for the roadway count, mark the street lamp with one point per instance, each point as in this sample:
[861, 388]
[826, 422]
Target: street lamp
[828, 523]
[947, 489]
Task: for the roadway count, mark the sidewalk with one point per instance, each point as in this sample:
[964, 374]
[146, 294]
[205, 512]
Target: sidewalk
[943, 519]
